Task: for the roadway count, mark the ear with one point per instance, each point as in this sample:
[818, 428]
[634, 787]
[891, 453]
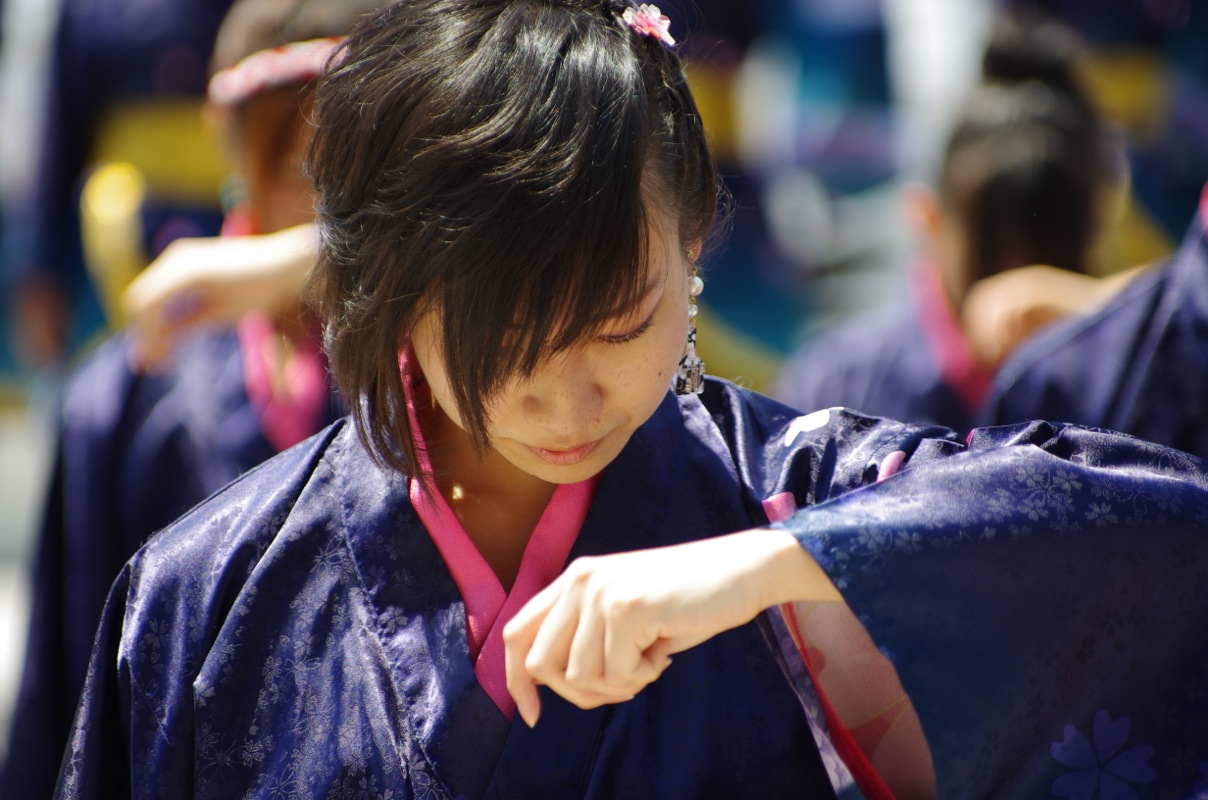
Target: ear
[922, 211]
[692, 250]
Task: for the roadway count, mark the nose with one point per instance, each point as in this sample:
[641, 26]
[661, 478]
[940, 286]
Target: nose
[566, 399]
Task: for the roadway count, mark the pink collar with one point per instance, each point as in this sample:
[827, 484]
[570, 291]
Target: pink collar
[488, 606]
[946, 339]
[290, 407]
[1204, 205]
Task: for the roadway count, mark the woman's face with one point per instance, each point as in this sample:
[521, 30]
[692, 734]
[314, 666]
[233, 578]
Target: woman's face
[574, 414]
[274, 135]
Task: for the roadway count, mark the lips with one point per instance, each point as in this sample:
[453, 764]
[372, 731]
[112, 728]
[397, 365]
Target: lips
[565, 458]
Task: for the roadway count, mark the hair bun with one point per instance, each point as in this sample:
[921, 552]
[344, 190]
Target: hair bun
[1045, 51]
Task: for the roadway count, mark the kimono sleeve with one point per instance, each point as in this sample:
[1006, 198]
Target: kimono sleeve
[784, 459]
[1043, 597]
[97, 760]
[133, 734]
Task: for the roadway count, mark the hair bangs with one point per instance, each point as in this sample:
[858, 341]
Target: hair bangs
[510, 300]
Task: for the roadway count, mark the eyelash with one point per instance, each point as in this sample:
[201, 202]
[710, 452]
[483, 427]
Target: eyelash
[629, 337]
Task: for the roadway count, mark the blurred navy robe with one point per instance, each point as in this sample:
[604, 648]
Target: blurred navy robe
[298, 635]
[908, 362]
[135, 451]
[1139, 365]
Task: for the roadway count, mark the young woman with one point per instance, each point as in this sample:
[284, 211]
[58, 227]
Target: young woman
[513, 196]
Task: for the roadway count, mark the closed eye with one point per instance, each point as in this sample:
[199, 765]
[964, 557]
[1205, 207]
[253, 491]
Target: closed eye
[622, 338]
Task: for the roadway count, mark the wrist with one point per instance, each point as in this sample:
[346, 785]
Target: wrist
[790, 573]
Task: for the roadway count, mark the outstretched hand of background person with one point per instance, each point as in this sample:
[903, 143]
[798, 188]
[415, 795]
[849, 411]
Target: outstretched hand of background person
[214, 281]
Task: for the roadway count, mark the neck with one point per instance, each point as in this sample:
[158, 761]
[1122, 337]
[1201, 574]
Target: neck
[497, 504]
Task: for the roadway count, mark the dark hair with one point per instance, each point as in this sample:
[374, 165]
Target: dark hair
[1028, 159]
[496, 162]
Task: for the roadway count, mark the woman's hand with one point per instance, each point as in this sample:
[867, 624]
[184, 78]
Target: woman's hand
[214, 281]
[609, 625]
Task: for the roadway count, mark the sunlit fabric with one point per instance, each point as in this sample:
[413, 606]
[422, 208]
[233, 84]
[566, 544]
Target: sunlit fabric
[1139, 365]
[1043, 595]
[297, 635]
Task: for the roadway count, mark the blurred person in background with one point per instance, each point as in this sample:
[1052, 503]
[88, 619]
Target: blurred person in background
[123, 166]
[137, 449]
[1147, 69]
[1132, 360]
[1139, 364]
[1026, 173]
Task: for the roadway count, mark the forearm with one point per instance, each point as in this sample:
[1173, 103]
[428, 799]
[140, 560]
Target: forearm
[785, 571]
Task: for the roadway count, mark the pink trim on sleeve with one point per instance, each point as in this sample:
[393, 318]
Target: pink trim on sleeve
[891, 464]
[779, 507]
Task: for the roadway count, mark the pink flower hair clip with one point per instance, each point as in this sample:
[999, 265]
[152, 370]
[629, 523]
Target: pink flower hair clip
[647, 20]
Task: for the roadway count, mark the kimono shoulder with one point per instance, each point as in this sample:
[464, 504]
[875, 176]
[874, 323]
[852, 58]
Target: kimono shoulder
[207, 554]
[1137, 365]
[164, 622]
[775, 449]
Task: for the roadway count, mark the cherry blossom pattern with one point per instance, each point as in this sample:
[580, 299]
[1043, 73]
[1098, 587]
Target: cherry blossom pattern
[1106, 770]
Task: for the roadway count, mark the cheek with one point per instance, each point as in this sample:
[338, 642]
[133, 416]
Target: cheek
[648, 369]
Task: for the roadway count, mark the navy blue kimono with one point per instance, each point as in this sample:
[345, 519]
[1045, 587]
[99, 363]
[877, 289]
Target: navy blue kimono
[1139, 365]
[135, 451]
[298, 635]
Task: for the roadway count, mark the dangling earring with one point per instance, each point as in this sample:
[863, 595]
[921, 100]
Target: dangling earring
[690, 375]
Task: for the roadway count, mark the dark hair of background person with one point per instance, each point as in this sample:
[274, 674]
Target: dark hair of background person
[499, 164]
[1028, 160]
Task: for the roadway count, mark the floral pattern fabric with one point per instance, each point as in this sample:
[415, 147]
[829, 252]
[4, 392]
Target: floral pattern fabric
[1043, 595]
[298, 635]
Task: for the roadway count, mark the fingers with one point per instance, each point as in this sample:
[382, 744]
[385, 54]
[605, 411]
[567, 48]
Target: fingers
[573, 628]
[587, 651]
[518, 636]
[658, 656]
[585, 660]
